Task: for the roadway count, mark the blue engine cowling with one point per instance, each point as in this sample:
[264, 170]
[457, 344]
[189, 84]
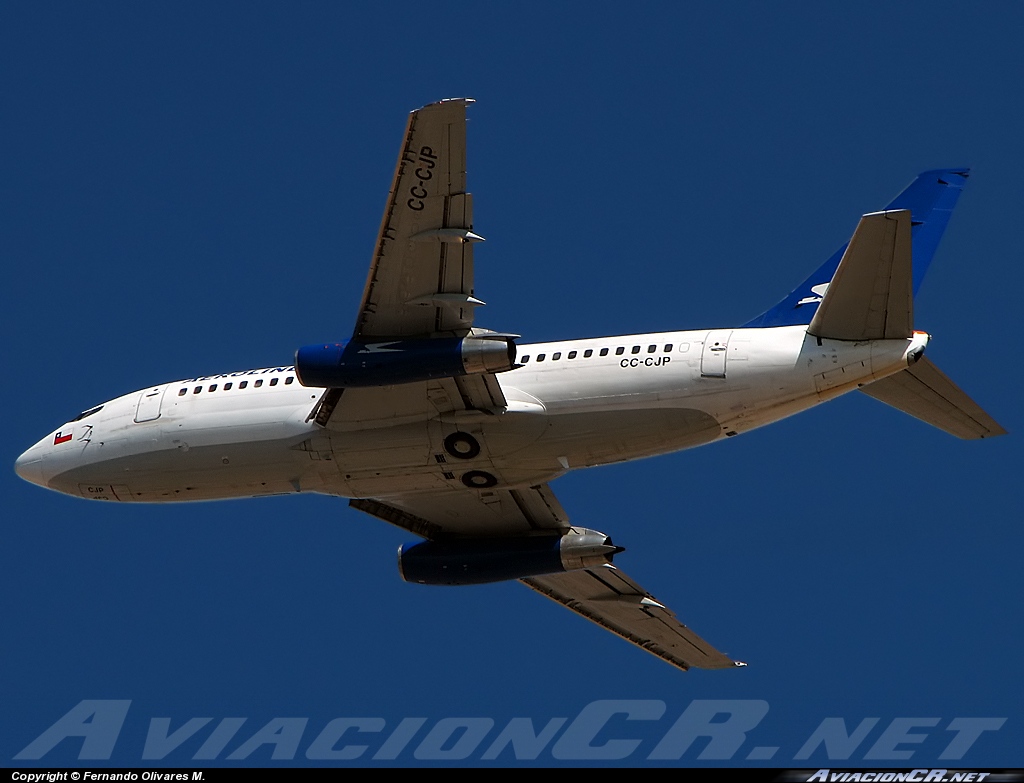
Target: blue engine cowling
[480, 560]
[384, 363]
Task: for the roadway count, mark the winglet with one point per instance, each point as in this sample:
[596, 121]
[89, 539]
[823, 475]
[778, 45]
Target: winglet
[930, 199]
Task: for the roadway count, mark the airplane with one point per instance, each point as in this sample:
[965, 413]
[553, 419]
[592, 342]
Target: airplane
[454, 432]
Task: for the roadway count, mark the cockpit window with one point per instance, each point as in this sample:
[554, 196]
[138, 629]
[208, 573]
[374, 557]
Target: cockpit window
[89, 412]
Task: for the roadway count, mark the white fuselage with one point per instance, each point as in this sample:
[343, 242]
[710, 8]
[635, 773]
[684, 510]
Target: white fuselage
[571, 404]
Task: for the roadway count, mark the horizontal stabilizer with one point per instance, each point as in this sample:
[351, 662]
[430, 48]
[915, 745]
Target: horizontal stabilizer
[924, 391]
[930, 199]
[871, 297]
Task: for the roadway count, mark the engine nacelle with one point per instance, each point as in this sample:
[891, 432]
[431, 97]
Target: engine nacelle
[385, 363]
[480, 560]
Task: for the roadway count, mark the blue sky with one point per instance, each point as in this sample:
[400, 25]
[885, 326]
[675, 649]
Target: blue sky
[196, 188]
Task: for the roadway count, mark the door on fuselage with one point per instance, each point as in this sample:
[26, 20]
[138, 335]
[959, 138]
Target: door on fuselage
[149, 404]
[716, 350]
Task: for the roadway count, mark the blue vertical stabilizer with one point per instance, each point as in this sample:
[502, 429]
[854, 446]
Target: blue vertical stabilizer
[930, 199]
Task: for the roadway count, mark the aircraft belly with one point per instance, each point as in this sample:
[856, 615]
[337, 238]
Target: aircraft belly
[601, 437]
[416, 458]
[187, 473]
[384, 461]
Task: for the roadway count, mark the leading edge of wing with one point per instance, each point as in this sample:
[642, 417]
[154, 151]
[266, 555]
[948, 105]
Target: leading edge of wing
[611, 599]
[420, 282]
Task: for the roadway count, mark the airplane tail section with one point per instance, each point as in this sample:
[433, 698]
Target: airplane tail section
[924, 391]
[866, 292]
[929, 200]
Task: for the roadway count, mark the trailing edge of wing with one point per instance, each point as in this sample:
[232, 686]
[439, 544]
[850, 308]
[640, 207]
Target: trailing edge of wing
[611, 599]
[871, 295]
[923, 391]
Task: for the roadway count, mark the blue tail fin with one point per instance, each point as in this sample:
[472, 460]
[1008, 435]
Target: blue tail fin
[930, 199]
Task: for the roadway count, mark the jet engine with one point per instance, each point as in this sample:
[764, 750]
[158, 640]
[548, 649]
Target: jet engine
[479, 560]
[385, 363]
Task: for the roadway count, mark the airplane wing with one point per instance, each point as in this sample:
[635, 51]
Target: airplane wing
[421, 280]
[452, 513]
[420, 283]
[611, 599]
[359, 408]
[603, 595]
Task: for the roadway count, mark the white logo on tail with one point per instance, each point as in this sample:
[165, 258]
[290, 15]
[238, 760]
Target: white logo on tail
[819, 293]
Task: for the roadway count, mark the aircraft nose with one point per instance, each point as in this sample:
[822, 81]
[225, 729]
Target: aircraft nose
[30, 466]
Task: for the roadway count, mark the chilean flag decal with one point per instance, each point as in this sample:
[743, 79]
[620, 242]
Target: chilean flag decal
[59, 438]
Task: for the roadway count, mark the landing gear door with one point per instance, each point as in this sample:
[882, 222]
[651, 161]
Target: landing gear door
[149, 404]
[716, 350]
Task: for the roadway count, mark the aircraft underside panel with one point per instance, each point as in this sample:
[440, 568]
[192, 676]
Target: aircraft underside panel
[605, 437]
[189, 473]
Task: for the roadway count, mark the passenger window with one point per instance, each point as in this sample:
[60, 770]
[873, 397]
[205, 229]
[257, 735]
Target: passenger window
[556, 356]
[668, 347]
[572, 354]
[619, 351]
[213, 387]
[540, 357]
[181, 392]
[227, 387]
[651, 348]
[273, 381]
[243, 384]
[197, 389]
[636, 349]
[258, 383]
[604, 351]
[288, 380]
[684, 347]
[588, 353]
[524, 359]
